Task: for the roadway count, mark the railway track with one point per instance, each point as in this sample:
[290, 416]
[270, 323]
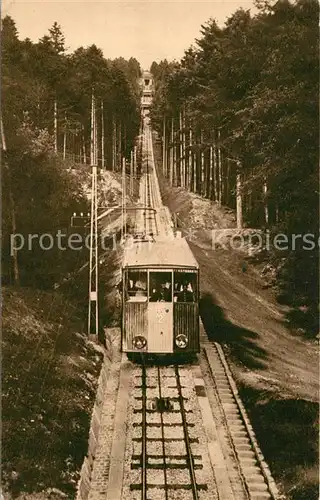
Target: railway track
[250, 477]
[165, 455]
[153, 221]
[187, 433]
[189, 437]
[146, 221]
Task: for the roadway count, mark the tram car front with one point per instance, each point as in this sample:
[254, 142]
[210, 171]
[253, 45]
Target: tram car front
[160, 299]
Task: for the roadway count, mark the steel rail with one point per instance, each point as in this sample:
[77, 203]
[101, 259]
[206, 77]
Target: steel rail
[163, 442]
[190, 461]
[144, 436]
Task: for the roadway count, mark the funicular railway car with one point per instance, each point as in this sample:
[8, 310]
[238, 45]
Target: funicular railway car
[160, 299]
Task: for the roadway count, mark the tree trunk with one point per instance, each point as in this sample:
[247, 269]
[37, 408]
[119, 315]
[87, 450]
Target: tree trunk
[172, 153]
[277, 213]
[201, 190]
[120, 145]
[189, 169]
[124, 149]
[239, 200]
[181, 151]
[14, 252]
[55, 112]
[215, 176]
[164, 138]
[265, 202]
[228, 184]
[210, 172]
[114, 144]
[219, 170]
[65, 137]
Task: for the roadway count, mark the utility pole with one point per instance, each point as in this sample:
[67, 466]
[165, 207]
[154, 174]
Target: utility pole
[93, 318]
[131, 173]
[181, 151]
[102, 135]
[135, 162]
[83, 139]
[123, 202]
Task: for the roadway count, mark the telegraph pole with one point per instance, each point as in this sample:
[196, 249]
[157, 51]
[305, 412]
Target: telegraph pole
[131, 173]
[123, 204]
[135, 162]
[93, 318]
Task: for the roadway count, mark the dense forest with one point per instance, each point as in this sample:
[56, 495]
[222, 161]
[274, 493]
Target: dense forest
[45, 132]
[238, 116]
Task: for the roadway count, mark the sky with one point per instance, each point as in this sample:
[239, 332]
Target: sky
[147, 30]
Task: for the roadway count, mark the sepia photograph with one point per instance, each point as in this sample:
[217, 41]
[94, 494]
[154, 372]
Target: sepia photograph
[160, 250]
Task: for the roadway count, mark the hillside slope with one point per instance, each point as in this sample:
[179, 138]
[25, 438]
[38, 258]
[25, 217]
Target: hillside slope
[275, 365]
[50, 375]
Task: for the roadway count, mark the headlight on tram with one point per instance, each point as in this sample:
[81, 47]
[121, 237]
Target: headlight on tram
[139, 342]
[181, 341]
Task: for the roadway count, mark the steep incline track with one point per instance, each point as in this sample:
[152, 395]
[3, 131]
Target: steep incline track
[187, 435]
[154, 220]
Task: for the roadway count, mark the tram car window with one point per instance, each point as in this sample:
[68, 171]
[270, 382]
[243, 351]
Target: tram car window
[185, 287]
[136, 286]
[160, 287]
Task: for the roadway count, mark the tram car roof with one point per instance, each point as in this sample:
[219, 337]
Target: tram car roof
[172, 253]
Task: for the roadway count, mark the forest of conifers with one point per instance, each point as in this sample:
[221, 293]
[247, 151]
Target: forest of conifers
[242, 104]
[46, 119]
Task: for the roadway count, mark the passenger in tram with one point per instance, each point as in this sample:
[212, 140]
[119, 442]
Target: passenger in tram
[137, 287]
[162, 293]
[140, 288]
[186, 294]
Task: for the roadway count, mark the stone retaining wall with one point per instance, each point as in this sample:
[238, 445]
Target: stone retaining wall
[83, 487]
